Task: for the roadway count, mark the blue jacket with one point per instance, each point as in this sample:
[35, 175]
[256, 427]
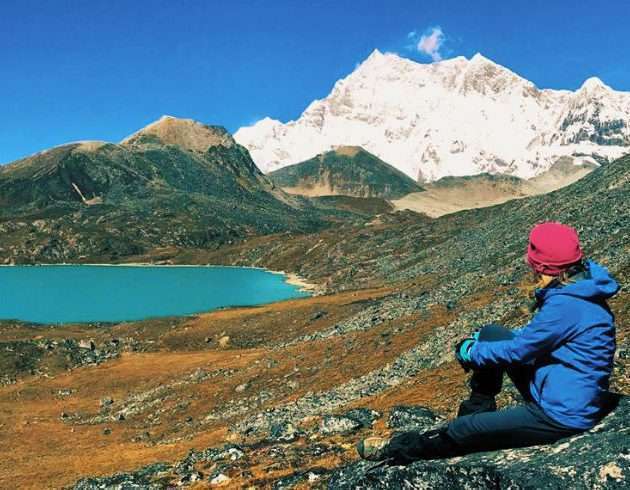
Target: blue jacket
[571, 344]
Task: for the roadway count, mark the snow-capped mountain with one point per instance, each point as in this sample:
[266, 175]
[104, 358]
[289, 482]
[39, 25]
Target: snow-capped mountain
[453, 117]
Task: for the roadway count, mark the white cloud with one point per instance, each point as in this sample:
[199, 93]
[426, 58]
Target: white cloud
[430, 43]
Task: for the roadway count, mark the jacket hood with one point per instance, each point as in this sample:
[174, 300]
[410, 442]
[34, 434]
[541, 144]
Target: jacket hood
[598, 284]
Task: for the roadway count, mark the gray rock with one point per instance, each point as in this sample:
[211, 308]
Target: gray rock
[336, 424]
[365, 416]
[284, 432]
[412, 418]
[241, 388]
[87, 344]
[220, 480]
[107, 402]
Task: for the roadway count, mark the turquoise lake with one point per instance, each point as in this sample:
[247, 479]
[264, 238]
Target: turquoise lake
[81, 293]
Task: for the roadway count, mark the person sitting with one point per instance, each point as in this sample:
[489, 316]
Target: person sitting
[560, 363]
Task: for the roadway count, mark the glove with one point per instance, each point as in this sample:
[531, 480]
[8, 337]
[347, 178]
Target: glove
[462, 351]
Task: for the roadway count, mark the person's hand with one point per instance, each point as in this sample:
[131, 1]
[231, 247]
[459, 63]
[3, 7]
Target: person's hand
[462, 351]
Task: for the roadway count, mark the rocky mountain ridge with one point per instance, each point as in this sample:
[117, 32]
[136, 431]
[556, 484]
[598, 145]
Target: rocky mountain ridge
[450, 118]
[349, 171]
[174, 183]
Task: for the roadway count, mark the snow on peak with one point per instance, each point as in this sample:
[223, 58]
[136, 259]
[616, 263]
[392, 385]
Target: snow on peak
[594, 83]
[267, 122]
[376, 54]
[479, 58]
[451, 117]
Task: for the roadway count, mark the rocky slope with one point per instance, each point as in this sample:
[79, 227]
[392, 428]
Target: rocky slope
[450, 118]
[478, 241]
[176, 183]
[595, 460]
[349, 171]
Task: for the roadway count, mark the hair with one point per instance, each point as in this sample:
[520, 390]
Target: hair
[567, 275]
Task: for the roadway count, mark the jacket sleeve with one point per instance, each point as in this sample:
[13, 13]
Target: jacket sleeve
[548, 329]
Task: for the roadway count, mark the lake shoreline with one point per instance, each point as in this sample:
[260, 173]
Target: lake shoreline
[290, 277]
[300, 286]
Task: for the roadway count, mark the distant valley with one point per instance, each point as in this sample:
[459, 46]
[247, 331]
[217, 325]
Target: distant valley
[451, 194]
[352, 171]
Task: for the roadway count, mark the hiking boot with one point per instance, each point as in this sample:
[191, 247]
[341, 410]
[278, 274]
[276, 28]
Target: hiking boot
[407, 447]
[373, 448]
[477, 404]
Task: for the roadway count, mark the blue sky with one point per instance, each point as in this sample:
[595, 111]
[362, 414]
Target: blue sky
[80, 69]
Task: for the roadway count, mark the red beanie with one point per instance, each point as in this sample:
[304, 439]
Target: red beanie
[552, 248]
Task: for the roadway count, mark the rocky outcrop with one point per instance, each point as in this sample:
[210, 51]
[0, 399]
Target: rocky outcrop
[599, 458]
[20, 357]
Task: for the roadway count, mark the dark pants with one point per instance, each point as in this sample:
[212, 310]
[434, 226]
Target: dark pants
[520, 426]
[523, 425]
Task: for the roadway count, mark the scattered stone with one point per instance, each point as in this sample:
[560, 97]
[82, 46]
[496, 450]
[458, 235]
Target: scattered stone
[87, 344]
[335, 424]
[311, 476]
[220, 480]
[234, 454]
[365, 416]
[107, 431]
[349, 422]
[151, 477]
[65, 392]
[191, 477]
[107, 402]
[285, 432]
[241, 388]
[318, 315]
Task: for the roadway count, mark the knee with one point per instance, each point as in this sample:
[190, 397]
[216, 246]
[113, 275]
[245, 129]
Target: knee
[494, 331]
